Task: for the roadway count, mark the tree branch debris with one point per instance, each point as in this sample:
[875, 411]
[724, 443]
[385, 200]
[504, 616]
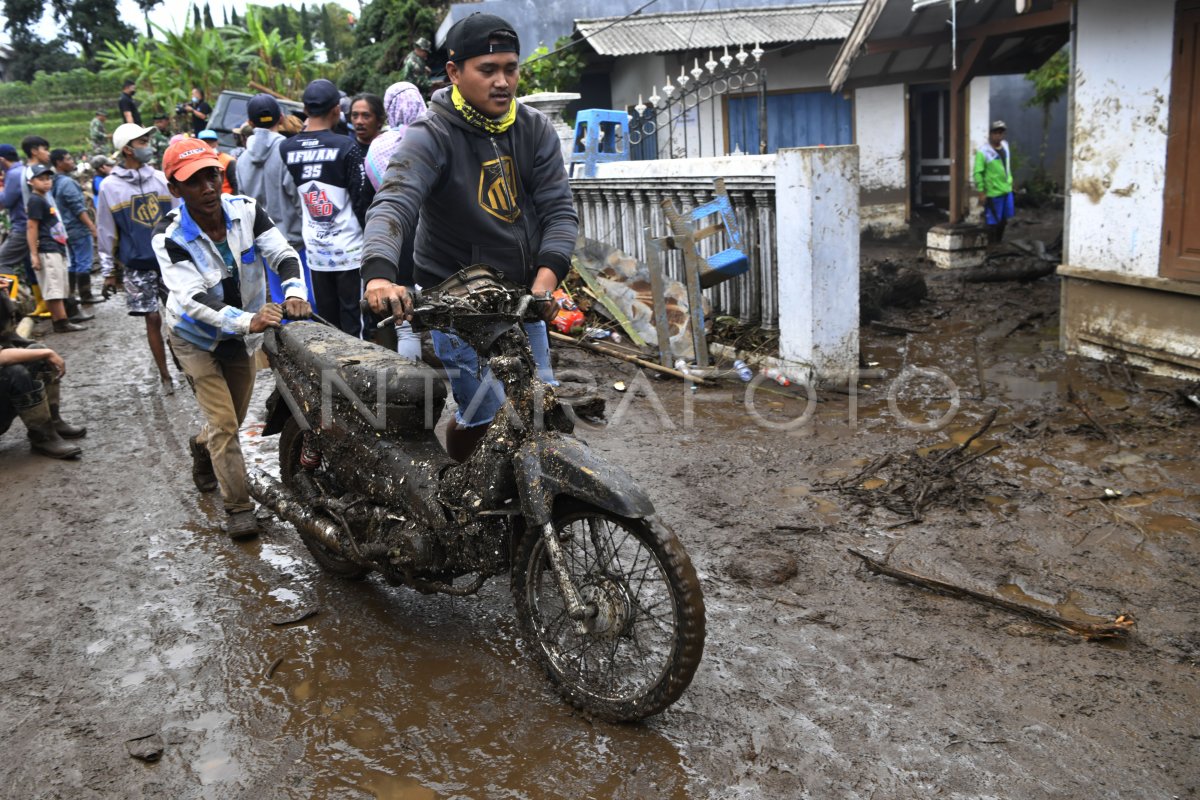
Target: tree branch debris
[913, 482]
[1119, 628]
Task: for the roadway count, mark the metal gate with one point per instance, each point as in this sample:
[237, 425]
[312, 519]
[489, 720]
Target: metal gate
[691, 117]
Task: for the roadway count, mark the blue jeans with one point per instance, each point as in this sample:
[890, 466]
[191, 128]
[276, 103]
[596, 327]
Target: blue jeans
[479, 395]
[80, 249]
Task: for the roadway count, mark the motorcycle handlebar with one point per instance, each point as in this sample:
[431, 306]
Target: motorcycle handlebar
[365, 307]
[521, 310]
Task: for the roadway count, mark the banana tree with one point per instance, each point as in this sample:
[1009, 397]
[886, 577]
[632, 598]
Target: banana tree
[140, 61]
[282, 65]
[212, 59]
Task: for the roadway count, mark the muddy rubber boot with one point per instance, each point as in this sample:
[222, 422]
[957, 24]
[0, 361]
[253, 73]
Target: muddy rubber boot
[65, 429]
[35, 413]
[85, 290]
[66, 326]
[202, 468]
[242, 525]
[71, 302]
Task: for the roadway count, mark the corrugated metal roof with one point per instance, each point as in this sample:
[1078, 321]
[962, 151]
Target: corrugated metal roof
[698, 30]
[891, 42]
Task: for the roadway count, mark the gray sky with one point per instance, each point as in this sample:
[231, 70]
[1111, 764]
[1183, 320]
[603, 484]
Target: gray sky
[174, 14]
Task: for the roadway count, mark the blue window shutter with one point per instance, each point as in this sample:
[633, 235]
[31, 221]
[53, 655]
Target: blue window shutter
[794, 119]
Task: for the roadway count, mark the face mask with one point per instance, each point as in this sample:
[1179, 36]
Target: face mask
[195, 98]
[143, 154]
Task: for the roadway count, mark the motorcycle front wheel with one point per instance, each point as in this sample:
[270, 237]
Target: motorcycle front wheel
[291, 439]
[644, 633]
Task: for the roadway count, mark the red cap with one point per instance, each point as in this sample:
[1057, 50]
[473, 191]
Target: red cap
[184, 157]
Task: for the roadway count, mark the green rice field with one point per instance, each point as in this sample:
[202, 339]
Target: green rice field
[67, 129]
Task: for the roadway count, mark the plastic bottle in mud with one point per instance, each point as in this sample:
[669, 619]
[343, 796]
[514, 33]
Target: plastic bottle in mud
[682, 366]
[744, 372]
[569, 318]
[776, 376]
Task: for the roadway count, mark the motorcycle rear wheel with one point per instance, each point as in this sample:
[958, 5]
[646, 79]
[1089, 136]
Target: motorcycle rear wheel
[291, 439]
[644, 642]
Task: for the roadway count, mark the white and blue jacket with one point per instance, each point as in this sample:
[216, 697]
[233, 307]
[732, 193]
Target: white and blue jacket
[197, 279]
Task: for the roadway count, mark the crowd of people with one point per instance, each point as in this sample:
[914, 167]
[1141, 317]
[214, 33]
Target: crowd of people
[211, 249]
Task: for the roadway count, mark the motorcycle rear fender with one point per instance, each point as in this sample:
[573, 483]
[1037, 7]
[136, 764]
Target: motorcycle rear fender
[551, 465]
[278, 413]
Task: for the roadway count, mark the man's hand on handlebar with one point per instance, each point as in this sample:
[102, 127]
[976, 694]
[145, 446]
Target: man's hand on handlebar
[388, 299]
[269, 316]
[295, 308]
[543, 287]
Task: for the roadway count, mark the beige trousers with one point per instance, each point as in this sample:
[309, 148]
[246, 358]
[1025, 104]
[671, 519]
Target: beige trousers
[223, 387]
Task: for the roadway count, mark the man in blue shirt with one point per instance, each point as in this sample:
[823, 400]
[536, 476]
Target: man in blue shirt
[15, 250]
[77, 217]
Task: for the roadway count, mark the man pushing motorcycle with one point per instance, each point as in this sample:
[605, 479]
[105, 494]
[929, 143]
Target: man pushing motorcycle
[214, 251]
[481, 178]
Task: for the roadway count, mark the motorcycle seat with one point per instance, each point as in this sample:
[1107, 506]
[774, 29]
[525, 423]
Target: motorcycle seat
[361, 365]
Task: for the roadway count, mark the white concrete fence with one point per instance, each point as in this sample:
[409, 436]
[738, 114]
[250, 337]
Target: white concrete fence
[799, 215]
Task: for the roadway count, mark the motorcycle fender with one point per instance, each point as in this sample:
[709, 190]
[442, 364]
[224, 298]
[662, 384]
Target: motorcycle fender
[552, 465]
[278, 414]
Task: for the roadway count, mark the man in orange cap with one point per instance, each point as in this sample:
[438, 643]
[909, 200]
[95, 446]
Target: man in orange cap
[214, 251]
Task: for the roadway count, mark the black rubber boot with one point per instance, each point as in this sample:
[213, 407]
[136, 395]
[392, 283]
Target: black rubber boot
[66, 326]
[65, 429]
[75, 312]
[85, 290]
[202, 468]
[35, 413]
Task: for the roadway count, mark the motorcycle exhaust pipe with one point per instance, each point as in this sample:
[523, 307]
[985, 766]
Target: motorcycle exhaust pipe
[277, 497]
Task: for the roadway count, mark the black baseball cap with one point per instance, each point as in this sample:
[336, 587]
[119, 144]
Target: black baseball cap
[473, 36]
[263, 110]
[320, 97]
[37, 170]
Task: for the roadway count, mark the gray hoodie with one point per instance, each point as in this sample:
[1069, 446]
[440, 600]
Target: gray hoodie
[500, 200]
[261, 174]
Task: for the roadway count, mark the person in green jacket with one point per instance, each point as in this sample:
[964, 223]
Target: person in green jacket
[993, 179]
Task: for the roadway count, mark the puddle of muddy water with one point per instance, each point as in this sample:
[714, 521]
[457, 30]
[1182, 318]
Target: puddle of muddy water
[1070, 607]
[397, 695]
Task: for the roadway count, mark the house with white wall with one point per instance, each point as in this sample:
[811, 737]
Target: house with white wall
[1131, 271]
[926, 69]
[787, 51]
[1131, 261]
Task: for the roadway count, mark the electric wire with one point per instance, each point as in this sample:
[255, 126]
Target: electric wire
[581, 39]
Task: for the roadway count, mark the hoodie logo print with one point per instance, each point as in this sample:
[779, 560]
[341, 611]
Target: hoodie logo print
[145, 209]
[498, 189]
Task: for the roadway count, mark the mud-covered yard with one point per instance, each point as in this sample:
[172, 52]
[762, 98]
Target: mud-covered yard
[130, 616]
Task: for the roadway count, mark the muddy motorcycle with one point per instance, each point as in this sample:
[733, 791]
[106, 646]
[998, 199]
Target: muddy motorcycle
[605, 596]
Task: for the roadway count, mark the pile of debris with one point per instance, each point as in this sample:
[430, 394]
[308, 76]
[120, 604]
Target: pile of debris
[907, 483]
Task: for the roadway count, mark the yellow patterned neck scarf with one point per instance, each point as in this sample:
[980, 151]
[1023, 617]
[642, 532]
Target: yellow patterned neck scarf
[472, 115]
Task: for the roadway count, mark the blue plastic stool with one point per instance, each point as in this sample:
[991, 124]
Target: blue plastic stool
[597, 140]
[732, 261]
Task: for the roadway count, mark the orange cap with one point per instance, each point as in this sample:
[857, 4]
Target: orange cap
[184, 157]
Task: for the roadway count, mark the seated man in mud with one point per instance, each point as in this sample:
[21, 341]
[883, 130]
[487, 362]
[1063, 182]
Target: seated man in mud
[29, 389]
[214, 251]
[481, 179]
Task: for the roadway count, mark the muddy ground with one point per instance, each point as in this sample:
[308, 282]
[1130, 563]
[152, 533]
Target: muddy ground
[128, 613]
